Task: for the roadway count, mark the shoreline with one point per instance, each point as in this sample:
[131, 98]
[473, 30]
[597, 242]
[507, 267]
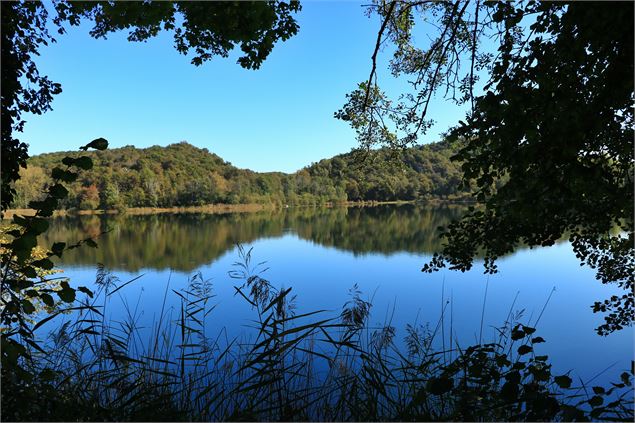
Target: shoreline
[226, 208]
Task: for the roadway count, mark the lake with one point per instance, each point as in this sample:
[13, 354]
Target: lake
[321, 253]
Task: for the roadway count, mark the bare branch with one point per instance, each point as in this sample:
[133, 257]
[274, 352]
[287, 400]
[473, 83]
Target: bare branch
[374, 57]
[478, 3]
[439, 65]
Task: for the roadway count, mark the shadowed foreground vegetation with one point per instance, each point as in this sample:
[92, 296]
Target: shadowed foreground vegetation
[311, 366]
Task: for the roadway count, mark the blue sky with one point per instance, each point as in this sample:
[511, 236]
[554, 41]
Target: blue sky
[279, 117]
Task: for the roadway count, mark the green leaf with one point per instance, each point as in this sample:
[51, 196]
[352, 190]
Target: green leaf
[22, 284]
[542, 375]
[563, 381]
[57, 173]
[519, 365]
[12, 349]
[45, 206]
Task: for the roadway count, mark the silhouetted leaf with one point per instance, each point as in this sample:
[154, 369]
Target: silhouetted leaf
[29, 272]
[626, 378]
[22, 246]
[27, 306]
[84, 162]
[97, 144]
[501, 360]
[47, 299]
[63, 175]
[563, 381]
[38, 225]
[43, 264]
[599, 390]
[596, 401]
[66, 294]
[524, 349]
[58, 248]
[58, 191]
[439, 386]
[517, 333]
[85, 291]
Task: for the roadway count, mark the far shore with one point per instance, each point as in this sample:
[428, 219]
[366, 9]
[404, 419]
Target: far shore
[221, 208]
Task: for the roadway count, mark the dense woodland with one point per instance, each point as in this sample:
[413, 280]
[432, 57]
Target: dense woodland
[183, 175]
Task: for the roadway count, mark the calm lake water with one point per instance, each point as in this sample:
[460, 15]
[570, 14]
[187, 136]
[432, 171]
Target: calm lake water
[321, 253]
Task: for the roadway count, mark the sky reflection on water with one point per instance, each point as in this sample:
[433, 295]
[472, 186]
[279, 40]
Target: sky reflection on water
[321, 254]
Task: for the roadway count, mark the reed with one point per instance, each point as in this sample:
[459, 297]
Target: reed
[315, 366]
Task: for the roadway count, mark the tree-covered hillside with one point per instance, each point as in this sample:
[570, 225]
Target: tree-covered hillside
[183, 175]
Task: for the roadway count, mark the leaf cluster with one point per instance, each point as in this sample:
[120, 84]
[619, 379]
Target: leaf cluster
[23, 278]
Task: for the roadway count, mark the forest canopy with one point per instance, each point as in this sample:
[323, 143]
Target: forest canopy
[183, 175]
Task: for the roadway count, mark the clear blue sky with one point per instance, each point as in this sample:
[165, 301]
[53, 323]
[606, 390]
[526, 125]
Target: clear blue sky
[279, 117]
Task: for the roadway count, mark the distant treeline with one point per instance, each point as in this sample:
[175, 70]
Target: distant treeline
[183, 175]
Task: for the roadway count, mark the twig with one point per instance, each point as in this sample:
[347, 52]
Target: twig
[374, 57]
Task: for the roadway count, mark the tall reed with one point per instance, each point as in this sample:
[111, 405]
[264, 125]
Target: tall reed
[313, 366]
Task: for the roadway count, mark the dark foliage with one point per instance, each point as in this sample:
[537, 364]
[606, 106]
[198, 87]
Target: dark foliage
[548, 147]
[206, 29]
[564, 144]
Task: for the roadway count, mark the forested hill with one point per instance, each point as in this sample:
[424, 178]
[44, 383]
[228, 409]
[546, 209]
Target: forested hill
[183, 175]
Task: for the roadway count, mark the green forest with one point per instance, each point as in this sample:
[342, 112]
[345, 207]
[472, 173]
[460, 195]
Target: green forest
[184, 175]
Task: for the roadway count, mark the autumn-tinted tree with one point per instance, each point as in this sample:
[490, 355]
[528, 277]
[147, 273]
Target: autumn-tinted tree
[183, 175]
[549, 143]
[201, 29]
